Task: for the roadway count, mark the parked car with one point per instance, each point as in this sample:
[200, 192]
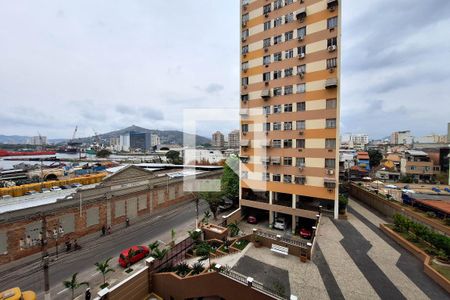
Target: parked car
[137, 253]
[31, 192]
[76, 185]
[45, 190]
[252, 219]
[226, 205]
[65, 187]
[305, 233]
[17, 294]
[279, 223]
[55, 188]
[6, 197]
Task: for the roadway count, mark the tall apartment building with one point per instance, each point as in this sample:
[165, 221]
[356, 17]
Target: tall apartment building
[218, 139]
[401, 138]
[155, 140]
[37, 140]
[233, 139]
[289, 108]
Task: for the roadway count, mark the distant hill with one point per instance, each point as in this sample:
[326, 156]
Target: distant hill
[166, 136]
[13, 139]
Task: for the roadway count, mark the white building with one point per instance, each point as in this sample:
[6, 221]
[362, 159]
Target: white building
[114, 143]
[37, 140]
[124, 142]
[358, 140]
[430, 139]
[401, 138]
[198, 155]
[155, 140]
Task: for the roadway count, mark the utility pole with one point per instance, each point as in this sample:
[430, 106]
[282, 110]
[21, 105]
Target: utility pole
[45, 258]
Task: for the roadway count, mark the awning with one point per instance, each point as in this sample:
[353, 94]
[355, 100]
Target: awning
[244, 111]
[275, 160]
[301, 13]
[265, 160]
[265, 93]
[244, 143]
[331, 83]
[265, 143]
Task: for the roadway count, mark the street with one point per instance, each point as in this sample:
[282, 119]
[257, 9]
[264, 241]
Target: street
[156, 227]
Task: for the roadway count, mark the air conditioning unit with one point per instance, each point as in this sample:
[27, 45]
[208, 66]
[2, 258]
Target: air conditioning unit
[330, 172]
[301, 55]
[331, 48]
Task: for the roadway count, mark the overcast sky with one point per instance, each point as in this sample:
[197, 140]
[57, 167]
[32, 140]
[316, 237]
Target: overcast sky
[105, 65]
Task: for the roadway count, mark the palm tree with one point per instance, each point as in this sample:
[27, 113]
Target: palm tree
[153, 246]
[73, 284]
[204, 251]
[195, 235]
[234, 228]
[172, 234]
[206, 216]
[159, 254]
[197, 268]
[104, 268]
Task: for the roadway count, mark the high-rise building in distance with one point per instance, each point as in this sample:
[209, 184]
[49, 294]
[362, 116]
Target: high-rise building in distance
[233, 139]
[218, 139]
[290, 72]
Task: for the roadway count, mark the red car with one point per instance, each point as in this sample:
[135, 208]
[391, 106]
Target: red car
[137, 253]
[305, 233]
[252, 220]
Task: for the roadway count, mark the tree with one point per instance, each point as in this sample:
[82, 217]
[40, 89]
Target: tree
[153, 246]
[173, 234]
[73, 284]
[104, 268]
[195, 235]
[375, 158]
[234, 228]
[206, 216]
[103, 153]
[204, 251]
[230, 178]
[173, 156]
[213, 199]
[159, 254]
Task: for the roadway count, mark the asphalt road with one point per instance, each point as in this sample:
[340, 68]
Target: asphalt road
[156, 227]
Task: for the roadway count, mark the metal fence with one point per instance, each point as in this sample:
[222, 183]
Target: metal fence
[297, 243]
[175, 254]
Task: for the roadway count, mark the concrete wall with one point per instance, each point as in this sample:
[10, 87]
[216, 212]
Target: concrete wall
[134, 287]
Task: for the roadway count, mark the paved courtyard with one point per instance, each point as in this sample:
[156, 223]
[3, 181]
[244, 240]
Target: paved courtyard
[353, 259]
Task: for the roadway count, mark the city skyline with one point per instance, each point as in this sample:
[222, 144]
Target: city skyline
[113, 76]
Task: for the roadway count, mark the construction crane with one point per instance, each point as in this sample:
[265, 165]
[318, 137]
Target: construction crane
[74, 132]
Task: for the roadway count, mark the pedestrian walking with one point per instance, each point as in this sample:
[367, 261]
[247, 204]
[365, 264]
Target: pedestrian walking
[87, 294]
[109, 229]
[103, 230]
[127, 221]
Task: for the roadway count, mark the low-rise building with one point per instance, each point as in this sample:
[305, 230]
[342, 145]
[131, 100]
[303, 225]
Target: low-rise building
[401, 138]
[363, 160]
[418, 165]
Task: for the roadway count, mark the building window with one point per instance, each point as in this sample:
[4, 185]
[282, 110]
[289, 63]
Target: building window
[267, 25]
[276, 74]
[300, 180]
[245, 33]
[277, 109]
[276, 177]
[245, 18]
[413, 168]
[277, 4]
[287, 161]
[301, 50]
[288, 36]
[276, 144]
[244, 81]
[287, 125]
[245, 2]
[300, 143]
[331, 123]
[301, 69]
[287, 178]
[266, 76]
[245, 66]
[301, 106]
[330, 143]
[331, 103]
[266, 127]
[244, 174]
[277, 22]
[330, 163]
[267, 8]
[244, 97]
[287, 2]
[266, 42]
[288, 90]
[332, 22]
[266, 177]
[289, 18]
[245, 49]
[277, 56]
[277, 39]
[266, 110]
[301, 88]
[277, 91]
[332, 42]
[288, 107]
[301, 32]
[300, 162]
[287, 144]
[266, 59]
[244, 128]
[289, 54]
[288, 72]
[276, 126]
[331, 63]
[300, 125]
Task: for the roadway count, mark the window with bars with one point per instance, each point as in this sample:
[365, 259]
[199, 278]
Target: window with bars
[300, 143]
[287, 178]
[288, 36]
[332, 63]
[267, 8]
[277, 109]
[287, 126]
[300, 162]
[332, 42]
[287, 144]
[301, 88]
[276, 143]
[277, 39]
[244, 127]
[301, 106]
[266, 43]
[301, 32]
[277, 22]
[331, 103]
[288, 72]
[277, 91]
[276, 126]
[287, 161]
[289, 18]
[332, 22]
[288, 107]
[245, 49]
[277, 56]
[266, 110]
[330, 163]
[244, 81]
[289, 54]
[266, 59]
[267, 25]
[288, 90]
[276, 177]
[300, 125]
[330, 123]
[330, 143]
[277, 74]
[266, 127]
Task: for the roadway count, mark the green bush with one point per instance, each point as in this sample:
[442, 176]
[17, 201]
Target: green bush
[447, 221]
[431, 214]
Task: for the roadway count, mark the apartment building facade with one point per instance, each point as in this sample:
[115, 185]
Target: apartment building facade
[233, 139]
[290, 63]
[218, 139]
